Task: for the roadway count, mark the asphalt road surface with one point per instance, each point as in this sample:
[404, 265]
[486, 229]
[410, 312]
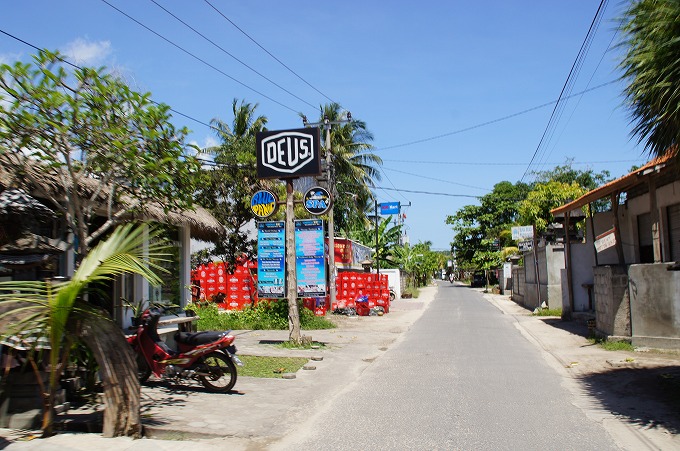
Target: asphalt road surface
[463, 377]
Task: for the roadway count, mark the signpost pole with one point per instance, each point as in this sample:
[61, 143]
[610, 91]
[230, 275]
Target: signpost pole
[377, 260]
[291, 279]
[331, 225]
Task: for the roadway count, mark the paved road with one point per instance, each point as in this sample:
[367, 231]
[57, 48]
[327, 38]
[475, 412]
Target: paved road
[463, 377]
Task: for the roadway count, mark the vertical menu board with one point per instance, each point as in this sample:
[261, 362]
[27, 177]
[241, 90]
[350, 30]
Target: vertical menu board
[309, 258]
[271, 259]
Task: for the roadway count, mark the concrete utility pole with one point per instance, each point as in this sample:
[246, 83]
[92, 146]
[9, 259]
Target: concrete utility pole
[330, 175]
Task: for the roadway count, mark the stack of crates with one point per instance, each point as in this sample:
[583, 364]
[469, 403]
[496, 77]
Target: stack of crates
[239, 289]
[351, 285]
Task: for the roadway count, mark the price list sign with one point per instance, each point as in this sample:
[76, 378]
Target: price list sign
[271, 259]
[309, 258]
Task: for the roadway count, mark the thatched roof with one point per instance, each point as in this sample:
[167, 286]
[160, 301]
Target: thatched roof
[201, 223]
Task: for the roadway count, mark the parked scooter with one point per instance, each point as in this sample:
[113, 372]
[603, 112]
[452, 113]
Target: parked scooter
[208, 357]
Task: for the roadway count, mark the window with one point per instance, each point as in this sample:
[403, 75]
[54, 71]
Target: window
[645, 241]
[674, 231]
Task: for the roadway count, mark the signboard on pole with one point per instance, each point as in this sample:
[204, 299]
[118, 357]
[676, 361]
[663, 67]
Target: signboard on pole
[271, 259]
[389, 208]
[286, 154]
[522, 232]
[309, 258]
[317, 200]
[605, 240]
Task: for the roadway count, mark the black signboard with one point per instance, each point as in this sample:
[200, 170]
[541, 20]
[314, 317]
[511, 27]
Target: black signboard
[288, 153]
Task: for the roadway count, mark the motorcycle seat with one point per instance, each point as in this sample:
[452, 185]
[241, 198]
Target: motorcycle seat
[198, 338]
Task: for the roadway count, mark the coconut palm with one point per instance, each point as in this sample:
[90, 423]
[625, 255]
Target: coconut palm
[57, 310]
[226, 189]
[652, 70]
[355, 168]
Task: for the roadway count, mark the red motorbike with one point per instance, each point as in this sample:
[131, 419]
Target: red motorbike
[208, 357]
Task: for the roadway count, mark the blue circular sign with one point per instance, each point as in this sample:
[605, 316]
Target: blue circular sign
[263, 204]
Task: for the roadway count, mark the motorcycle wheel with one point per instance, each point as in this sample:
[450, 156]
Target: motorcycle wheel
[222, 373]
[393, 296]
[143, 370]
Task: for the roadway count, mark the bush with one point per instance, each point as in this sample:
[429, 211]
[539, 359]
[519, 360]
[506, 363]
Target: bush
[263, 316]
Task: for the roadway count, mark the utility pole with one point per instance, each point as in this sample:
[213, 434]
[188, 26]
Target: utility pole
[331, 187]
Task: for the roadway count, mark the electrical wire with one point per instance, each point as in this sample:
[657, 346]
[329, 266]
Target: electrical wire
[200, 59]
[493, 121]
[566, 88]
[428, 192]
[268, 52]
[435, 179]
[478, 163]
[227, 53]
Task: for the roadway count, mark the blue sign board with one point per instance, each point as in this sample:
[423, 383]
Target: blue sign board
[309, 258]
[389, 208]
[271, 259]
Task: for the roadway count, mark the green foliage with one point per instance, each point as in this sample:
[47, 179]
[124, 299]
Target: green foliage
[227, 188]
[388, 239]
[652, 71]
[86, 125]
[263, 316]
[547, 312]
[612, 345]
[535, 209]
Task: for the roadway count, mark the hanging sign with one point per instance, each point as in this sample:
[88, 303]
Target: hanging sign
[264, 204]
[288, 153]
[606, 240]
[389, 208]
[317, 200]
[271, 259]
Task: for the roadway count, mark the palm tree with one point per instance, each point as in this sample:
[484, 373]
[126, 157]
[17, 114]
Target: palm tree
[227, 189]
[58, 310]
[355, 168]
[652, 70]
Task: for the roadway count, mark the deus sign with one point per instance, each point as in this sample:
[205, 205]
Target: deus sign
[288, 153]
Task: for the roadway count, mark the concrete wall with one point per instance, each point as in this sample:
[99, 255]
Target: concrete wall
[655, 305]
[550, 265]
[612, 305]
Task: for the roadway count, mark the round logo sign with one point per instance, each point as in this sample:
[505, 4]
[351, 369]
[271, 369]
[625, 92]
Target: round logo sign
[263, 204]
[317, 200]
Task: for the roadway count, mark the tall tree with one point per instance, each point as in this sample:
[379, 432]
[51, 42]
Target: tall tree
[651, 68]
[355, 168]
[90, 145]
[227, 188]
[535, 209]
[388, 237]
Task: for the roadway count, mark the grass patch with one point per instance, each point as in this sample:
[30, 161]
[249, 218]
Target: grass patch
[271, 367]
[292, 345]
[612, 345]
[547, 312]
[263, 316]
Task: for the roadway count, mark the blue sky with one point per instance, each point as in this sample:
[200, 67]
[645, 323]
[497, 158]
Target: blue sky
[430, 79]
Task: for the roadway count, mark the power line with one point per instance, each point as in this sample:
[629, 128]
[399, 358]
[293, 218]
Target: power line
[435, 179]
[199, 59]
[575, 68]
[268, 52]
[493, 121]
[477, 163]
[65, 61]
[226, 52]
[428, 192]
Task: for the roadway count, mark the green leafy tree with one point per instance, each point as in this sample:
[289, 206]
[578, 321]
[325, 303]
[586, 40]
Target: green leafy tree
[545, 197]
[478, 227]
[58, 310]
[651, 68]
[389, 236]
[227, 188]
[91, 146]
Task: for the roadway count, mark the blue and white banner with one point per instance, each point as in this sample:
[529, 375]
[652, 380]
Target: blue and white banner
[271, 259]
[389, 208]
[310, 264]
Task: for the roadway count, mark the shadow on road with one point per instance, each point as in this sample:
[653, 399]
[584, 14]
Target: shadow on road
[647, 397]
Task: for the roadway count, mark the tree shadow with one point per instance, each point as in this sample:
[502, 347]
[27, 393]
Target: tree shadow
[646, 397]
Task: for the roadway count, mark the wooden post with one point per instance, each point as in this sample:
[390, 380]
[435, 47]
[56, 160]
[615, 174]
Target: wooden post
[291, 278]
[566, 313]
[617, 229]
[654, 216]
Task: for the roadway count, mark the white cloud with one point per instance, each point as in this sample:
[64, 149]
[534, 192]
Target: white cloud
[9, 58]
[81, 51]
